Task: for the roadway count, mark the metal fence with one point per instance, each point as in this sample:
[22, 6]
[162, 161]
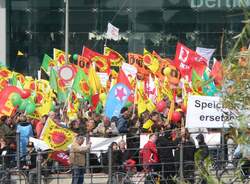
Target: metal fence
[103, 167]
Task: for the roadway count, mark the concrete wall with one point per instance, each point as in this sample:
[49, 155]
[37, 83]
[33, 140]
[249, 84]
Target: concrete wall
[3, 32]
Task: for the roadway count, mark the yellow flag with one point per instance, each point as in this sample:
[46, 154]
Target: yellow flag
[44, 108]
[141, 105]
[151, 61]
[94, 81]
[59, 56]
[19, 53]
[150, 105]
[56, 137]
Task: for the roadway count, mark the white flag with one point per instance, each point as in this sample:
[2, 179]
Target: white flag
[205, 52]
[112, 32]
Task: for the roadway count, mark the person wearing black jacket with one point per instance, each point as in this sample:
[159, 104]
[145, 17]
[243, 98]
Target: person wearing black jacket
[30, 163]
[6, 154]
[165, 148]
[203, 152]
[188, 158]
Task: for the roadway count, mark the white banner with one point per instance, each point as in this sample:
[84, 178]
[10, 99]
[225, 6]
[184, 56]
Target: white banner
[101, 143]
[205, 52]
[39, 144]
[112, 32]
[207, 112]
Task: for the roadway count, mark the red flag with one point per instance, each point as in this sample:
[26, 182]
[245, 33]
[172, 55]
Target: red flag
[61, 156]
[101, 61]
[122, 78]
[217, 73]
[186, 59]
[95, 100]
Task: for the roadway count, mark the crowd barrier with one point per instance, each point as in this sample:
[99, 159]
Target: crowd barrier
[100, 167]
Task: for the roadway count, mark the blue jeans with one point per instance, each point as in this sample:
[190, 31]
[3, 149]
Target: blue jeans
[77, 175]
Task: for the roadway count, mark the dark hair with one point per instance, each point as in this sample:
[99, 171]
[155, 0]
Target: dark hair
[3, 118]
[200, 138]
[124, 109]
[112, 144]
[114, 119]
[154, 113]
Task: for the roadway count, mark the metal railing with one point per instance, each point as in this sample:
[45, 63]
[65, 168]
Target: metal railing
[102, 164]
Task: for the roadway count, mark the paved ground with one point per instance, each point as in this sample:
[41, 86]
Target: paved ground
[99, 178]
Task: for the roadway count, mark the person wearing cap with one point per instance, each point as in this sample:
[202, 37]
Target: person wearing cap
[122, 124]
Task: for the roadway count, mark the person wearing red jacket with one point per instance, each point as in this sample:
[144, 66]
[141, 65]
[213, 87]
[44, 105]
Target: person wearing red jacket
[149, 153]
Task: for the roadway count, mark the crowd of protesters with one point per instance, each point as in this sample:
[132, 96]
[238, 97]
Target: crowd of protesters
[161, 152]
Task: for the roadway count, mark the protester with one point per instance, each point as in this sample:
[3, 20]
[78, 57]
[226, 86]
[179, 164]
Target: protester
[123, 124]
[6, 153]
[106, 128]
[149, 154]
[29, 163]
[5, 130]
[40, 125]
[77, 159]
[188, 157]
[26, 130]
[202, 153]
[165, 147]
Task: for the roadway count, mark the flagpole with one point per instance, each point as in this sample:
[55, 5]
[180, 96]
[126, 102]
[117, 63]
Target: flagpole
[135, 96]
[66, 30]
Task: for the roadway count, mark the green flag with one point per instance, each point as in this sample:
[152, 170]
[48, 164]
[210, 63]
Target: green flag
[53, 80]
[81, 83]
[13, 79]
[196, 81]
[46, 63]
[209, 87]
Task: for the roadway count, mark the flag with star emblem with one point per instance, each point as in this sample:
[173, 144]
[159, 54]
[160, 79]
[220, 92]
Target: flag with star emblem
[117, 98]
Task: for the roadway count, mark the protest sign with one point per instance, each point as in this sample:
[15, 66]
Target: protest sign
[207, 112]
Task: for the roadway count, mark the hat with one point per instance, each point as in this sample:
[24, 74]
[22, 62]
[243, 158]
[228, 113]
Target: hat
[124, 109]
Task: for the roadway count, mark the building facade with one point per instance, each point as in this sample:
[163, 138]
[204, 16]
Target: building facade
[35, 27]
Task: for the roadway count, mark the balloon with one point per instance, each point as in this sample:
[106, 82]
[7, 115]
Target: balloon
[75, 57]
[23, 105]
[160, 106]
[16, 99]
[30, 108]
[176, 117]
